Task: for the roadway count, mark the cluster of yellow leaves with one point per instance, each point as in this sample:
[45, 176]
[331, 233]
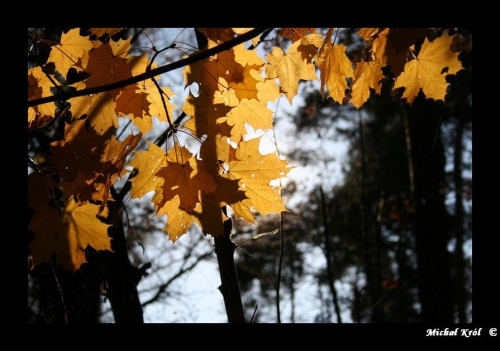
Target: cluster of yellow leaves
[394, 48]
[88, 159]
[188, 188]
[229, 170]
[235, 87]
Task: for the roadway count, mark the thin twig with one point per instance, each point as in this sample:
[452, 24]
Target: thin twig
[254, 313]
[280, 263]
[124, 128]
[161, 92]
[274, 232]
[154, 72]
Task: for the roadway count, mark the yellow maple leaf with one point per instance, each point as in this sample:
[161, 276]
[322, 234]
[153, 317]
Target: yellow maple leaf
[139, 64]
[115, 153]
[247, 57]
[148, 163]
[234, 66]
[156, 107]
[71, 49]
[368, 33]
[99, 109]
[67, 234]
[208, 217]
[254, 112]
[121, 47]
[425, 71]
[290, 67]
[366, 75]
[335, 68]
[314, 40]
[254, 172]
[39, 86]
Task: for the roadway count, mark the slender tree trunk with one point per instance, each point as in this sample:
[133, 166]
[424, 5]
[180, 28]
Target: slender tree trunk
[329, 256]
[460, 264]
[230, 289]
[431, 218]
[121, 276]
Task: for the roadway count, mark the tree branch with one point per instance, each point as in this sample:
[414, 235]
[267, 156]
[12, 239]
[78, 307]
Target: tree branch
[154, 72]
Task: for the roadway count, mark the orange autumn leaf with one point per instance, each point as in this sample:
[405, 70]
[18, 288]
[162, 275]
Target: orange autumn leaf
[335, 68]
[366, 75]
[67, 234]
[39, 85]
[142, 101]
[121, 47]
[254, 172]
[133, 102]
[69, 51]
[368, 33]
[148, 163]
[232, 92]
[98, 108]
[253, 112]
[425, 72]
[115, 153]
[290, 67]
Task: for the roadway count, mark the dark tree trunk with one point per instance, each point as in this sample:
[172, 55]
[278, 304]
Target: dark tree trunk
[432, 223]
[230, 288]
[329, 256]
[122, 278]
